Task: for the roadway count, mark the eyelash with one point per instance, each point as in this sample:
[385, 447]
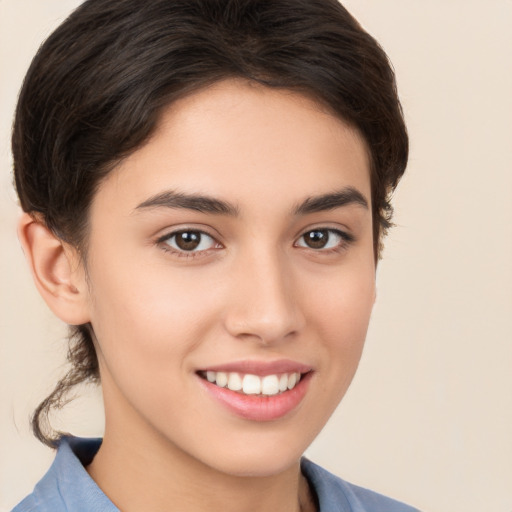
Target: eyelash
[345, 240]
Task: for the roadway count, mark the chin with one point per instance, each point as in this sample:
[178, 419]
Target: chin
[259, 458]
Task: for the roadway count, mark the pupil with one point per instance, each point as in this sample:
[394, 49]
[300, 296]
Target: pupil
[188, 240]
[317, 239]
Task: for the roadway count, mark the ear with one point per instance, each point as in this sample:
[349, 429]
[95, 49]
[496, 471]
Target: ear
[57, 271]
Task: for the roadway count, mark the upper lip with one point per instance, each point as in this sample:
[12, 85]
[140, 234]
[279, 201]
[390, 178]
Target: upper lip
[260, 368]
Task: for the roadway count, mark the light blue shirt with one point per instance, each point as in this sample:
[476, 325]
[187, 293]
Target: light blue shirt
[67, 487]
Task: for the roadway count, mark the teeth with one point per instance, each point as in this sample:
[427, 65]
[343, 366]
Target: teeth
[292, 380]
[234, 382]
[270, 385]
[283, 382]
[250, 384]
[222, 379]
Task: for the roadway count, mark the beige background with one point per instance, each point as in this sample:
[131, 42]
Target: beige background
[429, 417]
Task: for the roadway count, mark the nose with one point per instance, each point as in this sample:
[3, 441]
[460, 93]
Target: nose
[264, 303]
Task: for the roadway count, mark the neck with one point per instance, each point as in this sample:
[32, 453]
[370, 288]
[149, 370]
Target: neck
[151, 475]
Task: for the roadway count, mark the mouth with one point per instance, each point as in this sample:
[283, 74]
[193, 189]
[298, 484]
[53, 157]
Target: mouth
[250, 384]
[257, 392]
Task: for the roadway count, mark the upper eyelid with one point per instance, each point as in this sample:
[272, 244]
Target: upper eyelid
[176, 231]
[343, 231]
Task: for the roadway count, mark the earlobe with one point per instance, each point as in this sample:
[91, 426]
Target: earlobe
[56, 269]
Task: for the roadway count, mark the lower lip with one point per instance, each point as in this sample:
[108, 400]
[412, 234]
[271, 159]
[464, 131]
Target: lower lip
[259, 407]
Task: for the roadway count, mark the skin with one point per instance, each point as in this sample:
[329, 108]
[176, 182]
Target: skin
[255, 291]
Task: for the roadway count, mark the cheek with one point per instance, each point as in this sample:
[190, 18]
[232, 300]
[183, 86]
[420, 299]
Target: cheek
[147, 325]
[148, 315]
[342, 305]
[340, 312]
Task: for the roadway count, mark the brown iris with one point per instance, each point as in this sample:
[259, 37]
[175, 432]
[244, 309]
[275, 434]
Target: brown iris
[188, 240]
[317, 239]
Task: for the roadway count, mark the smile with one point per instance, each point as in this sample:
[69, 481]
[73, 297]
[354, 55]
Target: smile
[258, 391]
[249, 384]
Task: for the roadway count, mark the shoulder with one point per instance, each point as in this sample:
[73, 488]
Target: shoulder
[337, 495]
[67, 485]
[29, 504]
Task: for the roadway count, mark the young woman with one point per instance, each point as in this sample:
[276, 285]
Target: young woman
[206, 187]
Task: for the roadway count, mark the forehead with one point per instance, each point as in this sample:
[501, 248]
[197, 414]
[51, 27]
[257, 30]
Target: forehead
[243, 142]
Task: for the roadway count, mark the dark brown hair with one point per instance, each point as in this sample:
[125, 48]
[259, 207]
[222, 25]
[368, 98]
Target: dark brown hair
[96, 88]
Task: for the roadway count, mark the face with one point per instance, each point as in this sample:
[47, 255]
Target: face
[231, 278]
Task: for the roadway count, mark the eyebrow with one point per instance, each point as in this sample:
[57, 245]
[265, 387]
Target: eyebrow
[198, 203]
[344, 197]
[206, 204]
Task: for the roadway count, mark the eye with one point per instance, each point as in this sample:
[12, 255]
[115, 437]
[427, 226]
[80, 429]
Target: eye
[323, 239]
[188, 241]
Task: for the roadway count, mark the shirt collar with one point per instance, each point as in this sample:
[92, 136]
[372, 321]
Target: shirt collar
[68, 480]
